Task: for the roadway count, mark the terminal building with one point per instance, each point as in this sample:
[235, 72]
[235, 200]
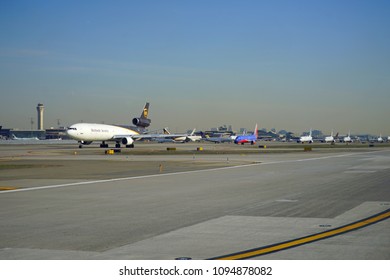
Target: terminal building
[51, 133]
[40, 133]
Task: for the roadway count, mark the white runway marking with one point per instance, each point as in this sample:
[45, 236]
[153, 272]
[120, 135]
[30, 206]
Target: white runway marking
[174, 173]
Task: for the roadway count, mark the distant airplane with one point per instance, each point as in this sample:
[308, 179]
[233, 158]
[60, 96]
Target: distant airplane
[251, 138]
[24, 138]
[181, 138]
[220, 139]
[348, 139]
[331, 139]
[380, 139]
[306, 138]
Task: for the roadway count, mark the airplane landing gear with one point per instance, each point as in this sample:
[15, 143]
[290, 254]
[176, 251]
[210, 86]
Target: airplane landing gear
[103, 145]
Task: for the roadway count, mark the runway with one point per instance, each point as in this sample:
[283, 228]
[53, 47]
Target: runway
[57, 202]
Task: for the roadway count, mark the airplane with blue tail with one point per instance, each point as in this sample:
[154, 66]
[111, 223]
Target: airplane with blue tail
[250, 138]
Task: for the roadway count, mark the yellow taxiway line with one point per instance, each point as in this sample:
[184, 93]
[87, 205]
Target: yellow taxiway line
[7, 188]
[306, 239]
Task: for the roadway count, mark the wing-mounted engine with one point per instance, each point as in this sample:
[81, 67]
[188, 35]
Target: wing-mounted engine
[127, 141]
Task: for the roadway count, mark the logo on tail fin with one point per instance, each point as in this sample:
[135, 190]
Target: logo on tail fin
[146, 111]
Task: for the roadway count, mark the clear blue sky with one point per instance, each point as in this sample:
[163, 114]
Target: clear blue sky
[291, 65]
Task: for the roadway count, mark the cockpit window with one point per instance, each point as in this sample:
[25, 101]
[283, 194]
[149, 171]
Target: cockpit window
[72, 128]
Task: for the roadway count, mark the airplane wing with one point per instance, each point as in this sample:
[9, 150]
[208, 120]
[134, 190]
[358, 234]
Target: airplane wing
[159, 136]
[149, 136]
[165, 135]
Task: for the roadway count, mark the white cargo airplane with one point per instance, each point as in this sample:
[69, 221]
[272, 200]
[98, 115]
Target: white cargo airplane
[306, 138]
[86, 133]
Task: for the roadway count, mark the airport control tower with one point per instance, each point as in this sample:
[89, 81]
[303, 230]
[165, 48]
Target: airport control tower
[40, 108]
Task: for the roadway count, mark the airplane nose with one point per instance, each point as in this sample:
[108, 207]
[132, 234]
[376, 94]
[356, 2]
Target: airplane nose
[70, 131]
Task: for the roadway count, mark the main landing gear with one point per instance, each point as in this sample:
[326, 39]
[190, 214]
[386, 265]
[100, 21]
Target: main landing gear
[103, 145]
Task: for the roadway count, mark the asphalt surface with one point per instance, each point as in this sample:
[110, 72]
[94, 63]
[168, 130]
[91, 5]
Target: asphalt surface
[59, 202]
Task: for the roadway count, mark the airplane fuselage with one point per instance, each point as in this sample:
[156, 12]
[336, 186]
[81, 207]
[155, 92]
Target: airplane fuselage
[347, 140]
[98, 132]
[329, 139]
[242, 139]
[307, 139]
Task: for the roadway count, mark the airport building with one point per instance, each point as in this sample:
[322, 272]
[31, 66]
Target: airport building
[40, 109]
[51, 133]
[40, 133]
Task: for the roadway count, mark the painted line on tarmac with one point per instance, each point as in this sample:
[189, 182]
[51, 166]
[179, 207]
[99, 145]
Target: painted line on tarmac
[2, 188]
[171, 174]
[122, 179]
[306, 239]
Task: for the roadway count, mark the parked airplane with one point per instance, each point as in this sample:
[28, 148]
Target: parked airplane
[181, 138]
[306, 138]
[330, 138]
[220, 139]
[380, 139]
[348, 139]
[23, 138]
[251, 138]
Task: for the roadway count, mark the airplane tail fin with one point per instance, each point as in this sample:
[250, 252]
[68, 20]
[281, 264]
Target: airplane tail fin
[255, 133]
[203, 135]
[145, 112]
[143, 122]
[166, 131]
[193, 131]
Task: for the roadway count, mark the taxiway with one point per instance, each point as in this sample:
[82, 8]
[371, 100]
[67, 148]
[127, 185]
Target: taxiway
[59, 202]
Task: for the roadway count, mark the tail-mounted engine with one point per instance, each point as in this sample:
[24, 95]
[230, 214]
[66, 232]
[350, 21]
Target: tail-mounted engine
[141, 122]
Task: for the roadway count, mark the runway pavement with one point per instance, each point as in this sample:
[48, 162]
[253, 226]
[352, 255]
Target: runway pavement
[59, 202]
